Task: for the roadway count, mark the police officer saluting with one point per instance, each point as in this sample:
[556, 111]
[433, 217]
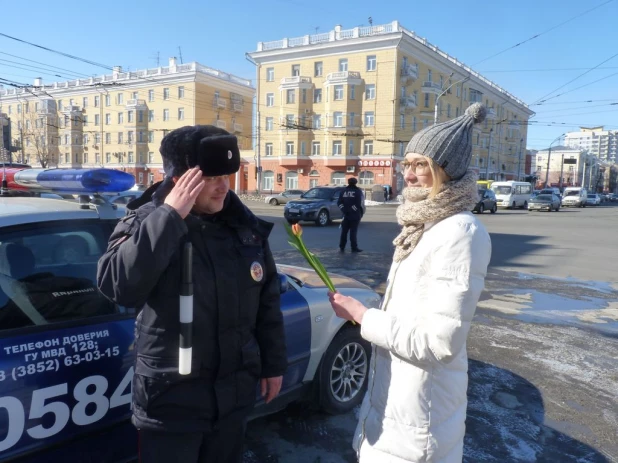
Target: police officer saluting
[238, 335]
[351, 204]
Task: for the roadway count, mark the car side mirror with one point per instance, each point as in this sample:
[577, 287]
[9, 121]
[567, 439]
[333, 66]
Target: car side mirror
[284, 284]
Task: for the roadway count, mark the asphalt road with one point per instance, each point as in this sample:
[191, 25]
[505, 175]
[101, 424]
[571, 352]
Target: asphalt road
[543, 383]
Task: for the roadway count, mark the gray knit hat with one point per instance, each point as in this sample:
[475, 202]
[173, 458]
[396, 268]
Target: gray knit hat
[449, 143]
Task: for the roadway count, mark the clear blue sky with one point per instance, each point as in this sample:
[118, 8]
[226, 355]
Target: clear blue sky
[218, 34]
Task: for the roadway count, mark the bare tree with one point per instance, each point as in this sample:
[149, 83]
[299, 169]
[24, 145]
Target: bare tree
[39, 138]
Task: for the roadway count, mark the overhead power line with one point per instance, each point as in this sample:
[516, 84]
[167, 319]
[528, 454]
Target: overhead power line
[544, 32]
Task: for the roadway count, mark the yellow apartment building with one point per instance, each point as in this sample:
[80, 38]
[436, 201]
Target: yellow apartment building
[346, 102]
[118, 120]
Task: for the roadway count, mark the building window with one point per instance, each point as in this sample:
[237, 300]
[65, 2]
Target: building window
[120, 138]
[317, 121]
[295, 70]
[131, 157]
[290, 96]
[351, 148]
[150, 136]
[268, 180]
[150, 157]
[268, 149]
[352, 92]
[369, 119]
[108, 158]
[343, 65]
[402, 121]
[85, 102]
[166, 93]
[426, 100]
[351, 117]
[85, 158]
[108, 119]
[270, 99]
[108, 138]
[289, 148]
[457, 112]
[181, 92]
[151, 95]
[130, 137]
[370, 92]
[151, 115]
[140, 176]
[372, 63]
[166, 114]
[129, 116]
[140, 115]
[338, 92]
[303, 92]
[401, 148]
[85, 139]
[140, 137]
[269, 124]
[448, 110]
[291, 180]
[181, 114]
[338, 178]
[120, 98]
[368, 147]
[303, 146]
[315, 149]
[135, 95]
[337, 148]
[426, 123]
[365, 178]
[97, 138]
[317, 69]
[338, 119]
[317, 95]
[108, 100]
[97, 119]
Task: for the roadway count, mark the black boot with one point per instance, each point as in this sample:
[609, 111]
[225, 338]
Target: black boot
[357, 250]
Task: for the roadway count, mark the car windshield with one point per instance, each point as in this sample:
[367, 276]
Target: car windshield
[543, 198]
[572, 193]
[502, 190]
[319, 193]
[592, 196]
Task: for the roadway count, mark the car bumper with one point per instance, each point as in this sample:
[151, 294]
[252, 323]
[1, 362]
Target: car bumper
[571, 203]
[300, 215]
[539, 207]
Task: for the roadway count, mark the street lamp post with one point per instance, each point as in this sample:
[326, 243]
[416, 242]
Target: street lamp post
[488, 155]
[521, 141]
[435, 109]
[548, 158]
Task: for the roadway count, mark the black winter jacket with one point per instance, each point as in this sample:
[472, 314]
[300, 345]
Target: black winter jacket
[351, 203]
[238, 334]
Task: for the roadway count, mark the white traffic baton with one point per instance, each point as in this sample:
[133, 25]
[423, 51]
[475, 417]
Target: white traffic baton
[186, 312]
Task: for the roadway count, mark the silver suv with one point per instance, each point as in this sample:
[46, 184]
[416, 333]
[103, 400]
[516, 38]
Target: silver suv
[317, 205]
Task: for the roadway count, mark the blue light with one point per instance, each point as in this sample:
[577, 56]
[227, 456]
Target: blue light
[76, 180]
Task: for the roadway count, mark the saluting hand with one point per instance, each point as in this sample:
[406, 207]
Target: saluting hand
[185, 192]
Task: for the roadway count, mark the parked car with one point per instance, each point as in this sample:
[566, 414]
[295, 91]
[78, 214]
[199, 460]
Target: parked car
[283, 198]
[574, 197]
[317, 205]
[544, 202]
[551, 191]
[593, 199]
[65, 374]
[487, 202]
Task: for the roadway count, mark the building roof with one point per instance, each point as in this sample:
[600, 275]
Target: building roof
[356, 33]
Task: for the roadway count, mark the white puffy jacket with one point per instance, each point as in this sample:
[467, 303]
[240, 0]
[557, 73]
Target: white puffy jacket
[415, 406]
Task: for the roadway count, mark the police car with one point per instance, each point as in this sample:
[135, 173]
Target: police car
[67, 353]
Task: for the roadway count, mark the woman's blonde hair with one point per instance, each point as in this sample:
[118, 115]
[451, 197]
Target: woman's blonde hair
[438, 175]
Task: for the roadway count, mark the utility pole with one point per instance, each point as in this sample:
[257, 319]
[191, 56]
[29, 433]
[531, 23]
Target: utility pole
[521, 140]
[180, 54]
[488, 155]
[561, 170]
[548, 158]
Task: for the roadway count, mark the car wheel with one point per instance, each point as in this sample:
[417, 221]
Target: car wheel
[525, 206]
[273, 202]
[344, 372]
[494, 209]
[481, 209]
[323, 218]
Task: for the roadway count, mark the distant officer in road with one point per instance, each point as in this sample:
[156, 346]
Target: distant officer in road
[351, 204]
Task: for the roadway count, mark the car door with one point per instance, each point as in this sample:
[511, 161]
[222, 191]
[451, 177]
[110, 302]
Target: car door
[334, 210]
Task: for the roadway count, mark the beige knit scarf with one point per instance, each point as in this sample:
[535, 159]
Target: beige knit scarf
[418, 209]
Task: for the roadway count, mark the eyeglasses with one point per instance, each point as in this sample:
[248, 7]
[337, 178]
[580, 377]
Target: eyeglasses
[418, 167]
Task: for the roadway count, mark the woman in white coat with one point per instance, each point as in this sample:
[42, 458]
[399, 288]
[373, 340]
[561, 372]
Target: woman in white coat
[415, 406]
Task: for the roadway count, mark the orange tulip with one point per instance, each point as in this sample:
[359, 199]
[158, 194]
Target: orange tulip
[297, 230]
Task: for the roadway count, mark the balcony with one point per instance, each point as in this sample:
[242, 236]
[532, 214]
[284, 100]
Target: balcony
[135, 103]
[431, 87]
[219, 103]
[293, 160]
[238, 107]
[237, 127]
[219, 123]
[344, 77]
[407, 103]
[71, 109]
[409, 73]
[296, 81]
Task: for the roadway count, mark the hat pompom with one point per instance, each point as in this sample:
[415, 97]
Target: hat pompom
[477, 111]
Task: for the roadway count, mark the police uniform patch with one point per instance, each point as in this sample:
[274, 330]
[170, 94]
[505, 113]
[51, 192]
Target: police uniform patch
[229, 154]
[257, 273]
